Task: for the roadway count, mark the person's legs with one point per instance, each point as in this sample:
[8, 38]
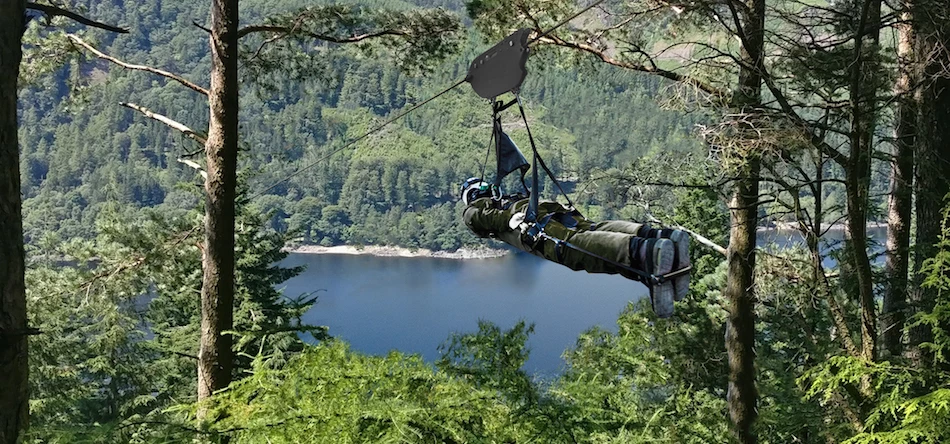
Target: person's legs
[612, 246]
[622, 226]
[652, 256]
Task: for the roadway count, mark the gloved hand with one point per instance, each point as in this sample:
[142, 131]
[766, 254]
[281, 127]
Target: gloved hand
[516, 222]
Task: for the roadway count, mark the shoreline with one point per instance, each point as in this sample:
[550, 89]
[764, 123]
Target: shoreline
[838, 226]
[390, 251]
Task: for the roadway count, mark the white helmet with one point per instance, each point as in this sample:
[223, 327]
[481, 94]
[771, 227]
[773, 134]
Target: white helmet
[474, 188]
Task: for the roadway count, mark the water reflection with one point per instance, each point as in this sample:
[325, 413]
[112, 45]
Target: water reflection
[414, 304]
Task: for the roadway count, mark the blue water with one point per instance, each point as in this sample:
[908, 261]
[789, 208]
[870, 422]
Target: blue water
[379, 304]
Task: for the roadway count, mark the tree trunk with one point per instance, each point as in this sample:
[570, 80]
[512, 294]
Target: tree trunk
[740, 325]
[742, 395]
[899, 203]
[217, 291]
[933, 153]
[858, 169]
[14, 371]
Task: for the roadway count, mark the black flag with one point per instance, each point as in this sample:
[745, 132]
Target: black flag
[509, 158]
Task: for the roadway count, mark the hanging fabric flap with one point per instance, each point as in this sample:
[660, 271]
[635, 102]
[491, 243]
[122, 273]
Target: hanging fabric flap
[502, 68]
[509, 158]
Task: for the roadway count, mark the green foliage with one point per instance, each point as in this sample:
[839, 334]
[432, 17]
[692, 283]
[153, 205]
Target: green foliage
[119, 315]
[492, 359]
[913, 404]
[329, 394]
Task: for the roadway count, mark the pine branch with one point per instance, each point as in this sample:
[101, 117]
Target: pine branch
[157, 71]
[53, 11]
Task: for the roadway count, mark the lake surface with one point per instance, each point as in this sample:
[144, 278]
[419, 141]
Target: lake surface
[378, 304]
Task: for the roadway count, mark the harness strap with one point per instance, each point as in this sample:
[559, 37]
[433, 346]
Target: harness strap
[537, 157]
[559, 251]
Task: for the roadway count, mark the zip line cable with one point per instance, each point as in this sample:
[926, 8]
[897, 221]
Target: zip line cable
[404, 113]
[354, 141]
[563, 22]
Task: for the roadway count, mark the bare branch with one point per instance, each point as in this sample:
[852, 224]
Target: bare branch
[200, 26]
[699, 238]
[190, 133]
[195, 166]
[160, 72]
[28, 331]
[52, 11]
[183, 355]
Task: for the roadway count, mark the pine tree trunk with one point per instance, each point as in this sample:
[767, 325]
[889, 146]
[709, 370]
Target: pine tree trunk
[742, 395]
[858, 170]
[740, 324]
[14, 371]
[932, 39]
[217, 291]
[899, 203]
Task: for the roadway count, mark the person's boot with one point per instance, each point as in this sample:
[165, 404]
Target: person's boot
[655, 256]
[681, 260]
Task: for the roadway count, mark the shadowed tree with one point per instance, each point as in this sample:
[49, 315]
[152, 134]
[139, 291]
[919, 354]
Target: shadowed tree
[931, 47]
[14, 392]
[14, 328]
[900, 201]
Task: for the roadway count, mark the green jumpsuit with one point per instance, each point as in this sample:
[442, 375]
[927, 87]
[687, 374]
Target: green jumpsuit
[608, 239]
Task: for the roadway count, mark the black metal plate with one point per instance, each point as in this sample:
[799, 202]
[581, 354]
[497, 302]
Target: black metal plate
[502, 68]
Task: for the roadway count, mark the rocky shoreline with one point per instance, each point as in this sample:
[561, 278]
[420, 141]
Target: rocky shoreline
[390, 251]
[838, 226]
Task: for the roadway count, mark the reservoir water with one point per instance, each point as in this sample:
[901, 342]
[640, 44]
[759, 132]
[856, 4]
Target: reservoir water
[413, 304]
[378, 304]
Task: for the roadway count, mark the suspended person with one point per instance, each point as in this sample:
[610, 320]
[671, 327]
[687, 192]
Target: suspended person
[570, 239]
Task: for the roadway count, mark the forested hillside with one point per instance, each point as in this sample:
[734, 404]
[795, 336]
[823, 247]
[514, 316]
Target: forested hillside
[123, 319]
[398, 187]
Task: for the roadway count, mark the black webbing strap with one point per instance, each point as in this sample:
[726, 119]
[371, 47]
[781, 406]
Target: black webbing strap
[532, 214]
[487, 152]
[496, 133]
[649, 278]
[559, 251]
[533, 206]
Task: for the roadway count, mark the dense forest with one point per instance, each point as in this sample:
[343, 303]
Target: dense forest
[143, 215]
[397, 188]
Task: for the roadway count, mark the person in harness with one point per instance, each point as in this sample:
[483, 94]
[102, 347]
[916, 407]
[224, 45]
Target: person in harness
[658, 258]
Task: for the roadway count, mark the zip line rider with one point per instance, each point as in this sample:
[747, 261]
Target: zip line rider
[564, 236]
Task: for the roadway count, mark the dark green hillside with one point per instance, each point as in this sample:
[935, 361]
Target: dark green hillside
[105, 153]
